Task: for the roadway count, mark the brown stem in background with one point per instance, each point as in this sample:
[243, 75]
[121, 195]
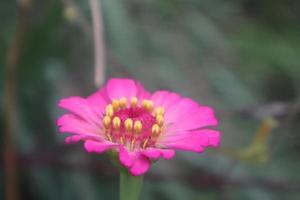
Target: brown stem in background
[13, 58]
[99, 50]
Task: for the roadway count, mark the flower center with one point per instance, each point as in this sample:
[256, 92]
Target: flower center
[135, 124]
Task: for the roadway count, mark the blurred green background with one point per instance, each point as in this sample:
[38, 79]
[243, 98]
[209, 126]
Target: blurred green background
[241, 57]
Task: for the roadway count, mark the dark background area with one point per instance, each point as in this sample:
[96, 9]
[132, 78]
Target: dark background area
[241, 57]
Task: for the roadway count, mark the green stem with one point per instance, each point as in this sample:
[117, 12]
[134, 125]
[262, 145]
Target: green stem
[130, 186]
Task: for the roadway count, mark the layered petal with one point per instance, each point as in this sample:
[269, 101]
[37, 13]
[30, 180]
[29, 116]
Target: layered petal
[82, 108]
[142, 93]
[191, 140]
[164, 99]
[98, 147]
[77, 138]
[178, 110]
[198, 118]
[102, 92]
[136, 162]
[99, 101]
[178, 126]
[126, 158]
[70, 123]
[140, 166]
[118, 88]
[154, 153]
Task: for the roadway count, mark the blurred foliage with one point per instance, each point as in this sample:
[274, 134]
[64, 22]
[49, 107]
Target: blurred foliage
[236, 56]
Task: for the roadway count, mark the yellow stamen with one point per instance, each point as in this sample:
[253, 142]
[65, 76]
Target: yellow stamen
[116, 123]
[132, 144]
[128, 125]
[145, 143]
[109, 137]
[123, 102]
[144, 103]
[159, 120]
[133, 102]
[155, 130]
[150, 106]
[121, 140]
[115, 104]
[159, 111]
[147, 104]
[109, 110]
[106, 121]
[137, 127]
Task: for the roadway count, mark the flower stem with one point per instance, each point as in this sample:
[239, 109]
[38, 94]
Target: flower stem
[130, 186]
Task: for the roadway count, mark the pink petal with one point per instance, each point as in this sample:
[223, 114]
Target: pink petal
[180, 109]
[142, 93]
[72, 124]
[164, 98]
[98, 103]
[126, 158]
[192, 140]
[198, 118]
[81, 107]
[77, 138]
[214, 138]
[134, 161]
[73, 138]
[118, 88]
[159, 97]
[140, 166]
[154, 153]
[101, 93]
[98, 147]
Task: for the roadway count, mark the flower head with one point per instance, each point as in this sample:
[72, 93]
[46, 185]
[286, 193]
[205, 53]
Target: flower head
[124, 117]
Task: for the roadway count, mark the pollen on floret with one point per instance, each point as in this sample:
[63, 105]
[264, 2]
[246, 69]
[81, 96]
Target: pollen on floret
[115, 104]
[106, 121]
[159, 111]
[133, 102]
[132, 124]
[159, 120]
[148, 105]
[109, 110]
[128, 124]
[138, 127]
[155, 130]
[123, 102]
[116, 123]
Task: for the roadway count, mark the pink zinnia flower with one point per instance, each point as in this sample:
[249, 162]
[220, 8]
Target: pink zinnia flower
[124, 117]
